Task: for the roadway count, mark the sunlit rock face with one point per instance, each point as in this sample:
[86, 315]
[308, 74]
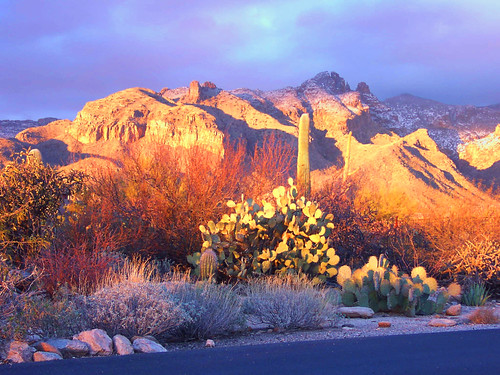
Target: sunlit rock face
[484, 152]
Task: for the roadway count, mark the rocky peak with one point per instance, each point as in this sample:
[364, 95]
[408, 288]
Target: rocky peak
[194, 94]
[209, 85]
[363, 88]
[330, 82]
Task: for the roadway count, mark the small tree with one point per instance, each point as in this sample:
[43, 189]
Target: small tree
[32, 197]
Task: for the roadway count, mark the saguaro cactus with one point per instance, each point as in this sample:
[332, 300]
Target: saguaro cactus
[303, 170]
[347, 159]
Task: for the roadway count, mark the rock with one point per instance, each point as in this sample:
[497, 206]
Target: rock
[194, 94]
[122, 345]
[210, 344]
[209, 85]
[31, 339]
[442, 323]
[46, 356]
[384, 324]
[152, 338]
[70, 348]
[98, 340]
[363, 88]
[356, 312]
[143, 345]
[454, 310]
[43, 346]
[20, 352]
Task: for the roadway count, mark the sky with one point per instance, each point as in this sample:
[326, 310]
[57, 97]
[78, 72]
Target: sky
[57, 55]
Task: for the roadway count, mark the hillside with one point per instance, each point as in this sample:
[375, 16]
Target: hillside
[397, 145]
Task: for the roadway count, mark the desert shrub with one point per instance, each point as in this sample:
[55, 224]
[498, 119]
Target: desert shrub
[479, 260]
[214, 309]
[271, 165]
[484, 316]
[136, 309]
[160, 196]
[463, 244]
[475, 294]
[290, 302]
[32, 195]
[80, 264]
[32, 313]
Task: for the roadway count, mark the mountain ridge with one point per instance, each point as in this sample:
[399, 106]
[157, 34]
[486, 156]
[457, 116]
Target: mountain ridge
[414, 157]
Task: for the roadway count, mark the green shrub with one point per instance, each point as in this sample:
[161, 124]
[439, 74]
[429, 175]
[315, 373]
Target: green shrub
[286, 238]
[136, 309]
[475, 295]
[31, 313]
[31, 197]
[382, 288]
[289, 302]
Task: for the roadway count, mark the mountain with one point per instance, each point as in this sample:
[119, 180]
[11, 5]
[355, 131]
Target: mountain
[392, 151]
[9, 128]
[449, 125]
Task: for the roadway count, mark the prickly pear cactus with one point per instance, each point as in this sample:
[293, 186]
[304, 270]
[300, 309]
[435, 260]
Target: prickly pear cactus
[384, 288]
[286, 236]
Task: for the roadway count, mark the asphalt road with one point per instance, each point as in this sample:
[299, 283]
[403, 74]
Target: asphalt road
[456, 353]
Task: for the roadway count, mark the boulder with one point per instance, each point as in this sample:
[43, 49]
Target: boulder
[143, 345]
[19, 352]
[43, 346]
[454, 310]
[70, 348]
[442, 322]
[122, 345]
[98, 340]
[210, 344]
[356, 312]
[46, 356]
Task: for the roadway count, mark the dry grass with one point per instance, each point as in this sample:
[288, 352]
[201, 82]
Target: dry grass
[484, 315]
[136, 309]
[287, 303]
[214, 309]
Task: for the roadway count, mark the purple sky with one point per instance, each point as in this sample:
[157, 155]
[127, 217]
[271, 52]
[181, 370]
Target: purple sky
[57, 55]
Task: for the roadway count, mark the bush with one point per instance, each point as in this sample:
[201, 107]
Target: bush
[214, 309]
[475, 295]
[286, 238]
[160, 196]
[31, 313]
[136, 309]
[478, 259]
[484, 316]
[289, 302]
[32, 195]
[81, 266]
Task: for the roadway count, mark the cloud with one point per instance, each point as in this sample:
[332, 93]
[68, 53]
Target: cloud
[56, 57]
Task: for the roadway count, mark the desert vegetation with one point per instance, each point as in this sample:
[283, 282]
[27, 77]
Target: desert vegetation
[185, 244]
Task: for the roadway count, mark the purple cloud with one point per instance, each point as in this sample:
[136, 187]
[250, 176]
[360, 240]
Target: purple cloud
[57, 56]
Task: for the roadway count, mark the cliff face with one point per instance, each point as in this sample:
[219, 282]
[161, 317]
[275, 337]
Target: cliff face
[484, 152]
[397, 145]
